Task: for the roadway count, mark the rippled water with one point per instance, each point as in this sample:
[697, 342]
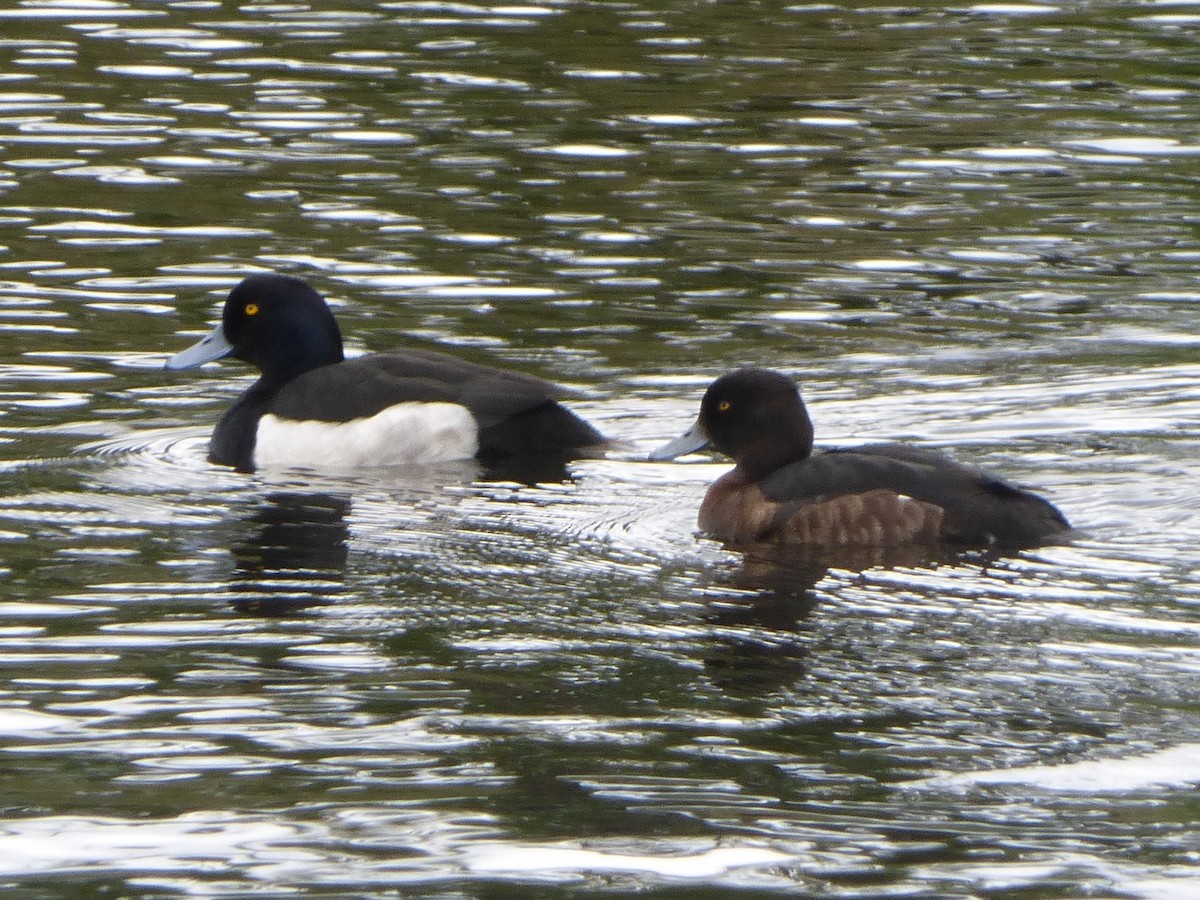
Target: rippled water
[968, 227]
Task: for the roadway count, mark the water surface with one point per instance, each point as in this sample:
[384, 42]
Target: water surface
[971, 228]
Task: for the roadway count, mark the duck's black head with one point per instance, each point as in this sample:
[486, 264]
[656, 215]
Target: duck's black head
[280, 324]
[756, 417]
[276, 322]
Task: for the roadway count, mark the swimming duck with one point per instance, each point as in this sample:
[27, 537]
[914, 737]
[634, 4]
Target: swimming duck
[313, 408]
[874, 495]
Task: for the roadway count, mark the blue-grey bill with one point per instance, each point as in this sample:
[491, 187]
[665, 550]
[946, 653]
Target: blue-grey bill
[689, 442]
[212, 346]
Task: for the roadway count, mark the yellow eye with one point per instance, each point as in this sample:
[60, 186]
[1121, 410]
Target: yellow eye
[723, 406]
[251, 309]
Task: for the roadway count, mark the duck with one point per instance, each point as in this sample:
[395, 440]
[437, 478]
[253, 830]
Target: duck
[878, 495]
[313, 408]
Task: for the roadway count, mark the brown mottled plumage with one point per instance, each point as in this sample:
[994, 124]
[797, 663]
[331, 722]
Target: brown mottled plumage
[740, 513]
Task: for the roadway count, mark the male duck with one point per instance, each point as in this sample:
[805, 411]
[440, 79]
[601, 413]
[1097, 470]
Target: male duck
[312, 408]
[875, 495]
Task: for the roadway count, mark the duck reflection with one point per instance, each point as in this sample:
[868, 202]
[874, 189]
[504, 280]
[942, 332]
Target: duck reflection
[296, 550]
[552, 468]
[761, 644]
[295, 556]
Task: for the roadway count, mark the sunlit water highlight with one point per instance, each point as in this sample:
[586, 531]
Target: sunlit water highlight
[971, 228]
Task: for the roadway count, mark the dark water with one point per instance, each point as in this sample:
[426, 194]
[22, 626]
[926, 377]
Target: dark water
[969, 227]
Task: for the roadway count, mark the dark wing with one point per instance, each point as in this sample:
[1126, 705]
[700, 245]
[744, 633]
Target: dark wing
[366, 385]
[980, 508]
[517, 414]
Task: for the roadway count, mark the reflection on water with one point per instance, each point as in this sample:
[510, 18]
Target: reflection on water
[296, 556]
[971, 228]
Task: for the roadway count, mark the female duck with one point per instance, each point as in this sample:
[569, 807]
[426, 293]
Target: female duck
[875, 495]
[312, 408]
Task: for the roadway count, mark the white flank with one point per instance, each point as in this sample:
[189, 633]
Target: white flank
[404, 434]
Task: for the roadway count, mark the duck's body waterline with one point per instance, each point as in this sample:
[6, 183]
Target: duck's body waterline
[311, 408]
[874, 495]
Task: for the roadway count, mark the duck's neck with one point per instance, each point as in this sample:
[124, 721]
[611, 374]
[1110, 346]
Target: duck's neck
[293, 355]
[763, 452]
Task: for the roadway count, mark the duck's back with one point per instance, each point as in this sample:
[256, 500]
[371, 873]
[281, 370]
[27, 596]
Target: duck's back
[365, 385]
[977, 507]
